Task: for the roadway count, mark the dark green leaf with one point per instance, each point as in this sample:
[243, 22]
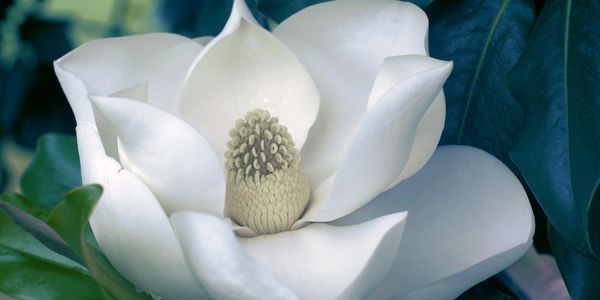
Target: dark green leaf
[3, 175]
[556, 80]
[53, 171]
[580, 273]
[25, 205]
[70, 220]
[484, 39]
[29, 270]
[40, 230]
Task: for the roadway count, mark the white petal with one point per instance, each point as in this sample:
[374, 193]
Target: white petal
[131, 227]
[537, 276]
[219, 263]
[426, 140]
[321, 261]
[469, 219]
[108, 65]
[159, 61]
[137, 92]
[242, 69]
[429, 131]
[204, 40]
[452, 286]
[382, 144]
[172, 158]
[343, 45]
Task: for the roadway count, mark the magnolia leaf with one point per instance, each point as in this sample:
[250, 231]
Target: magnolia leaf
[556, 80]
[53, 171]
[580, 273]
[38, 229]
[25, 205]
[29, 270]
[3, 175]
[484, 39]
[70, 220]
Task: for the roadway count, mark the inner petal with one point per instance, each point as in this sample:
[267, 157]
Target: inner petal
[343, 49]
[242, 69]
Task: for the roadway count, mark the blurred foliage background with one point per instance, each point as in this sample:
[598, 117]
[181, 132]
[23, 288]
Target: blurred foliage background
[34, 33]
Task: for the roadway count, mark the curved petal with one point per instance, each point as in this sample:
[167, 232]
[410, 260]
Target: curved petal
[131, 227]
[452, 286]
[343, 45]
[429, 131]
[204, 40]
[108, 65]
[427, 137]
[169, 156]
[157, 61]
[382, 144]
[219, 263]
[537, 276]
[469, 219]
[242, 69]
[321, 261]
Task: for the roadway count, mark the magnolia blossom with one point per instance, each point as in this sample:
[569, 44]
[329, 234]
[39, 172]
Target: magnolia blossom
[372, 210]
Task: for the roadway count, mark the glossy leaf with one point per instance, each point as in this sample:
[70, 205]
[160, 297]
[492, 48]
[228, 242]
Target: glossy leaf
[3, 175]
[484, 39]
[29, 270]
[556, 80]
[580, 273]
[38, 229]
[70, 220]
[25, 205]
[53, 171]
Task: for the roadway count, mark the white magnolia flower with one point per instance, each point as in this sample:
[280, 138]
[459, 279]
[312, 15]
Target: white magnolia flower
[362, 102]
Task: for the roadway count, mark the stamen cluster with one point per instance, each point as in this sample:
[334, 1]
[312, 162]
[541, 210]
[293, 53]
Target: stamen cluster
[266, 190]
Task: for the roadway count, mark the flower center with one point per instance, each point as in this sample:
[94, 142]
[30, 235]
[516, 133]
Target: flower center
[266, 189]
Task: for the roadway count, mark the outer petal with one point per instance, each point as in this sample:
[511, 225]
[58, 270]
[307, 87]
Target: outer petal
[219, 263]
[318, 261]
[382, 144]
[172, 158]
[109, 65]
[469, 219]
[131, 227]
[321, 261]
[156, 62]
[242, 69]
[537, 277]
[343, 45]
